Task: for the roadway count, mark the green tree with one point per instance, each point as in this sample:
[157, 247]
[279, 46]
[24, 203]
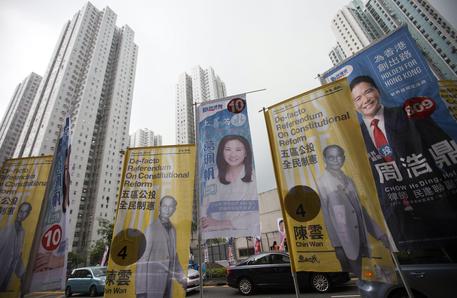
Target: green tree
[96, 252]
[74, 260]
[98, 248]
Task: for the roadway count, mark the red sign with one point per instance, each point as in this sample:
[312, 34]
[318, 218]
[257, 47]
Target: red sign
[51, 239]
[236, 105]
[419, 107]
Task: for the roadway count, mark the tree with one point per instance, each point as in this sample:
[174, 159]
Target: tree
[106, 230]
[96, 252]
[74, 260]
[98, 248]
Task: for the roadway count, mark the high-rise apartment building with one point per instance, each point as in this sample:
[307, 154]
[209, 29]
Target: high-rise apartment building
[144, 138]
[436, 38]
[16, 113]
[90, 77]
[200, 86]
[157, 140]
[352, 28]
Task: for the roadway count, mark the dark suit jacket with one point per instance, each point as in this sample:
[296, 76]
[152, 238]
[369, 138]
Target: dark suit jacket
[435, 215]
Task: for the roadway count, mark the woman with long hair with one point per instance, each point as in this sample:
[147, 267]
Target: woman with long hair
[235, 194]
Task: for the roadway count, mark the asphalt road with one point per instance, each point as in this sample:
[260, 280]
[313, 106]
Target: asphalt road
[348, 290]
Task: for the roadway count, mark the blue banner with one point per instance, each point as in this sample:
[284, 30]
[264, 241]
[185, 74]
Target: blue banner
[227, 185]
[51, 261]
[410, 138]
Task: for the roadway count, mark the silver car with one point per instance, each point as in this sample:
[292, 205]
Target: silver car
[429, 273]
[86, 280]
[193, 280]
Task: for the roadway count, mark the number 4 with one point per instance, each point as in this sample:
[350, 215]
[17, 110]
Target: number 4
[123, 253]
[300, 210]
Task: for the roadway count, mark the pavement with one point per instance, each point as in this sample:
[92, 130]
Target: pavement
[46, 294]
[60, 294]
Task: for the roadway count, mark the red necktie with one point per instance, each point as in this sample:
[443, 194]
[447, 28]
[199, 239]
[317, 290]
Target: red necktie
[380, 141]
[386, 151]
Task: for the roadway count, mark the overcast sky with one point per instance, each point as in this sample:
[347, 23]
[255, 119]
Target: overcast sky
[251, 44]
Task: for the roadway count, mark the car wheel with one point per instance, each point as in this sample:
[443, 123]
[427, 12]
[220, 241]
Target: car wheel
[93, 291]
[245, 286]
[68, 292]
[320, 282]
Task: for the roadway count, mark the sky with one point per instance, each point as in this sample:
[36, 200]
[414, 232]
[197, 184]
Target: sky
[251, 44]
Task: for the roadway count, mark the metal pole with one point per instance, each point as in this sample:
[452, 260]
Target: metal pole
[280, 191]
[402, 277]
[197, 204]
[294, 277]
[254, 91]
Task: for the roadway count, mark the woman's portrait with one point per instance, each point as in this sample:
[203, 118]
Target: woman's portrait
[235, 198]
[234, 157]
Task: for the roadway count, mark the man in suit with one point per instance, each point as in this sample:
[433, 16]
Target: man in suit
[159, 264]
[415, 186]
[346, 219]
[11, 242]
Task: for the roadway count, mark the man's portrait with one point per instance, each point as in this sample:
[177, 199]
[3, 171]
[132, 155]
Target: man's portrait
[412, 165]
[346, 219]
[11, 243]
[159, 264]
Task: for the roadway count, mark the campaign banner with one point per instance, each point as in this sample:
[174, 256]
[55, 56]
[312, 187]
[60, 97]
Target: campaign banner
[410, 139]
[282, 234]
[50, 262]
[229, 205]
[149, 252]
[448, 92]
[327, 192]
[22, 189]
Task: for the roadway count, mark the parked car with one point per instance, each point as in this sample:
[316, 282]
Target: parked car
[273, 270]
[193, 280]
[86, 280]
[428, 272]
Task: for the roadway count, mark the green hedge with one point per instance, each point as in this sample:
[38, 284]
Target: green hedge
[216, 272]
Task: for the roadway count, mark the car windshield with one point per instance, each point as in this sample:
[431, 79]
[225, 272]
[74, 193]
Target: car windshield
[99, 271]
[245, 261]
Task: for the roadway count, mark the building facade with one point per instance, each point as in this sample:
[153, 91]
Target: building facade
[144, 138]
[200, 86]
[436, 38]
[352, 29]
[91, 78]
[16, 113]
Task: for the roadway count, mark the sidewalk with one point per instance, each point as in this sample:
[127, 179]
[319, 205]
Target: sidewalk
[60, 294]
[47, 294]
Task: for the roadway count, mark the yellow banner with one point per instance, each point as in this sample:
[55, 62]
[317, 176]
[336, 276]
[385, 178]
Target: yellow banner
[150, 248]
[22, 189]
[448, 92]
[328, 195]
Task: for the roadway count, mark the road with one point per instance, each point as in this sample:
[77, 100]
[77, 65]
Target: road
[346, 291]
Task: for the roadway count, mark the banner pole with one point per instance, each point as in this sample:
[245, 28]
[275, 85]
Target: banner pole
[402, 277]
[276, 171]
[249, 92]
[197, 200]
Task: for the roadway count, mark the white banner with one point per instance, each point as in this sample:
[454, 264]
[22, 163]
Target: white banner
[229, 205]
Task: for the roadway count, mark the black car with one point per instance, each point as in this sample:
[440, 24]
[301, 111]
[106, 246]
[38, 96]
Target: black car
[430, 272]
[273, 270]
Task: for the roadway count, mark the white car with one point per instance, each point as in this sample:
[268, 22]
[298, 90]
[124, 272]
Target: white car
[193, 280]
